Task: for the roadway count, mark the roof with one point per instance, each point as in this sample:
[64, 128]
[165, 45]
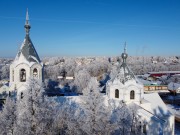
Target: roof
[164, 72]
[27, 52]
[173, 86]
[5, 85]
[158, 107]
[124, 73]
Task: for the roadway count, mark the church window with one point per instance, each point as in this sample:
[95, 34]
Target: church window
[35, 73]
[21, 95]
[23, 75]
[116, 93]
[132, 95]
[9, 93]
[144, 129]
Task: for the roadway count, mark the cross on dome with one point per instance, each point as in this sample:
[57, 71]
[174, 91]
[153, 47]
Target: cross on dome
[27, 24]
[124, 54]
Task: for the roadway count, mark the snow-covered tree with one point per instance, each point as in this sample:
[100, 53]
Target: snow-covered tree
[113, 72]
[4, 72]
[35, 113]
[125, 118]
[96, 114]
[81, 80]
[69, 119]
[8, 117]
[69, 66]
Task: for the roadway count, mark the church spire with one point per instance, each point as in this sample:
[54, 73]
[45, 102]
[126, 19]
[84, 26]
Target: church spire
[125, 47]
[27, 24]
[124, 54]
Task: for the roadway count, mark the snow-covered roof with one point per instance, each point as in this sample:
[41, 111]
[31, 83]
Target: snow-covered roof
[164, 72]
[124, 73]
[173, 86]
[158, 107]
[5, 85]
[27, 52]
[146, 82]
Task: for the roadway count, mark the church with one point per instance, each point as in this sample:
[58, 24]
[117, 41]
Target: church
[155, 118]
[154, 115]
[26, 64]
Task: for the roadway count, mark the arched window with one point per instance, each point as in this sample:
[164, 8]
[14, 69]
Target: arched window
[22, 95]
[132, 94]
[9, 93]
[144, 129]
[23, 75]
[116, 93]
[35, 73]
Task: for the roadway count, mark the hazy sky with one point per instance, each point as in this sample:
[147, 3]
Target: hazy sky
[92, 27]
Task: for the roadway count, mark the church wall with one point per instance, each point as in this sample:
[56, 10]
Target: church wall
[137, 94]
[40, 71]
[16, 83]
[169, 125]
[112, 92]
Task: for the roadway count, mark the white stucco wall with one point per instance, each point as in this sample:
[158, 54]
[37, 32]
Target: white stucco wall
[16, 83]
[124, 90]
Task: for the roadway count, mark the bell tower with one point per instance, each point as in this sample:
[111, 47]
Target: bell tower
[26, 64]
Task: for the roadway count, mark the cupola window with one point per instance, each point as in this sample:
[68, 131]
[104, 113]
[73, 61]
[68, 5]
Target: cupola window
[22, 95]
[116, 93]
[132, 94]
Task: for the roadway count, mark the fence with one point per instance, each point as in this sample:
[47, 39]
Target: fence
[155, 87]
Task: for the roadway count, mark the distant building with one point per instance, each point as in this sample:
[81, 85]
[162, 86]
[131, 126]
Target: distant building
[174, 87]
[26, 64]
[155, 118]
[4, 88]
[161, 73]
[66, 77]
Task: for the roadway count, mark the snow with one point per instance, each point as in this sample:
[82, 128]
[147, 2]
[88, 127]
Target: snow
[158, 107]
[146, 82]
[174, 86]
[174, 109]
[33, 58]
[21, 59]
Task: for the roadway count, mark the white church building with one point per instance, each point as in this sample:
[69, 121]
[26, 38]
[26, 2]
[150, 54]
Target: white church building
[26, 64]
[155, 118]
